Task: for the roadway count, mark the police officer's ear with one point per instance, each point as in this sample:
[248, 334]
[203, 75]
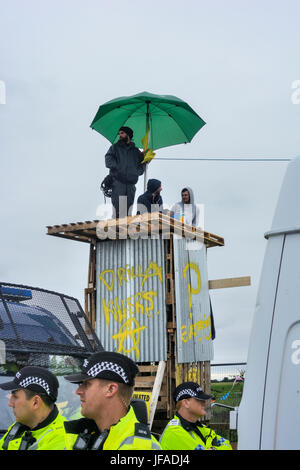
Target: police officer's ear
[186, 402]
[112, 389]
[36, 401]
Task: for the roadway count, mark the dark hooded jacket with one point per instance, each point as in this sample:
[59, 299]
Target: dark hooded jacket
[146, 200]
[125, 162]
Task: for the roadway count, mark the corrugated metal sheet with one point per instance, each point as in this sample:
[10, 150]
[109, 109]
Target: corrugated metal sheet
[192, 303]
[131, 312]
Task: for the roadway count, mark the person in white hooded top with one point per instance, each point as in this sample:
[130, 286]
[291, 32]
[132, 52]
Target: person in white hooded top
[186, 210]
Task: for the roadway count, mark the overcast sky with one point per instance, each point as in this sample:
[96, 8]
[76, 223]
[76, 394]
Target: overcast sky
[234, 62]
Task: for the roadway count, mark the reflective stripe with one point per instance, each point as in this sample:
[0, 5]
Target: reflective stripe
[155, 446]
[50, 437]
[136, 441]
[35, 445]
[127, 441]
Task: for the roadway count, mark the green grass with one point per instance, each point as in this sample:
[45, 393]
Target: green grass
[218, 389]
[220, 416]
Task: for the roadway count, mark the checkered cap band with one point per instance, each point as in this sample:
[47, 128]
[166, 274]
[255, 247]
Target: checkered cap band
[37, 381]
[95, 370]
[187, 391]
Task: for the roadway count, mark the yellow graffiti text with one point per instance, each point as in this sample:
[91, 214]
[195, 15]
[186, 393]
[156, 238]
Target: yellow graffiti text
[192, 290]
[128, 273]
[189, 332]
[139, 304]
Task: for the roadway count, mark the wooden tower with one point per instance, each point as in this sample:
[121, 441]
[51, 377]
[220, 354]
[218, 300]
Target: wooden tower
[175, 336]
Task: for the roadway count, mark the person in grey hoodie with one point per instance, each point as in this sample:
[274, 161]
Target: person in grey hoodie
[186, 210]
[124, 161]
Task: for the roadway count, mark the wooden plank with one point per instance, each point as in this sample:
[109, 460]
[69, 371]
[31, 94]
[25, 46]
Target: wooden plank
[71, 236]
[147, 368]
[71, 227]
[149, 379]
[156, 389]
[230, 282]
[143, 384]
[145, 224]
[198, 232]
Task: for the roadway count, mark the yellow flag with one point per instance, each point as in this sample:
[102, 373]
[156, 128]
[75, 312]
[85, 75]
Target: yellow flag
[145, 139]
[148, 154]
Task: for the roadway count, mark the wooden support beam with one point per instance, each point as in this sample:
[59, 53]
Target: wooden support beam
[156, 389]
[72, 236]
[230, 282]
[72, 227]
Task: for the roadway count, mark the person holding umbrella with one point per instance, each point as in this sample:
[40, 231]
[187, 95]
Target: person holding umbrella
[124, 161]
[158, 121]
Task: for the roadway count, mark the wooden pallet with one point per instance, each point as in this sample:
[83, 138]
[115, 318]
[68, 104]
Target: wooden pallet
[139, 226]
[145, 380]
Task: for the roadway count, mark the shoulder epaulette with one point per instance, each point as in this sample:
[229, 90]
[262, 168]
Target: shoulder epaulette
[78, 426]
[142, 430]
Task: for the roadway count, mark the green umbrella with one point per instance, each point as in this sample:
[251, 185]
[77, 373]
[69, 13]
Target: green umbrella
[171, 120]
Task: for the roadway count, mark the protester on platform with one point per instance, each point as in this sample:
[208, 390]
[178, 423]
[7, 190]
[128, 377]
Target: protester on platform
[151, 200]
[186, 210]
[124, 161]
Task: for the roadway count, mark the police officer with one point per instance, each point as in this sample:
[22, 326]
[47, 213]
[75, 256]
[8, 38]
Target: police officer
[185, 431]
[38, 426]
[110, 421]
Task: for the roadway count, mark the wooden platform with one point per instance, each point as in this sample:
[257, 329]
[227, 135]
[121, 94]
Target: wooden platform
[139, 226]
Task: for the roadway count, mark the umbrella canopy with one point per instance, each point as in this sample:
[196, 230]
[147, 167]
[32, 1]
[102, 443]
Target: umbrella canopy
[171, 120]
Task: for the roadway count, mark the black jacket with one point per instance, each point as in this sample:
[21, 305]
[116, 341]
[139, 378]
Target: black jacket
[147, 199]
[124, 162]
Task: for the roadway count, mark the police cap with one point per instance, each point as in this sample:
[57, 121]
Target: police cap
[107, 365]
[36, 379]
[189, 390]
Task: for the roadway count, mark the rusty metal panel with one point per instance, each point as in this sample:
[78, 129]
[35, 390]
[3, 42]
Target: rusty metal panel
[193, 319]
[130, 298]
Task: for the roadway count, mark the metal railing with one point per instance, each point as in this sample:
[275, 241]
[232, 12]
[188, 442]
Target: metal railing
[227, 395]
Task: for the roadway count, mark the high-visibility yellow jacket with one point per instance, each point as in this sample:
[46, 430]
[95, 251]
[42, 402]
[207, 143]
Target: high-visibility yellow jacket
[127, 434]
[48, 435]
[180, 434]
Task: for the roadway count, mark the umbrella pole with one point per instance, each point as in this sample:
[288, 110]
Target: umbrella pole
[145, 178]
[146, 168]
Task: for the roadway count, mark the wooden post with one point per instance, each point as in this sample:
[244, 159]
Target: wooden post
[156, 390]
[90, 291]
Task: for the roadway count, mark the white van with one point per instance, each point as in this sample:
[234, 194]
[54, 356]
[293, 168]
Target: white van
[269, 414]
